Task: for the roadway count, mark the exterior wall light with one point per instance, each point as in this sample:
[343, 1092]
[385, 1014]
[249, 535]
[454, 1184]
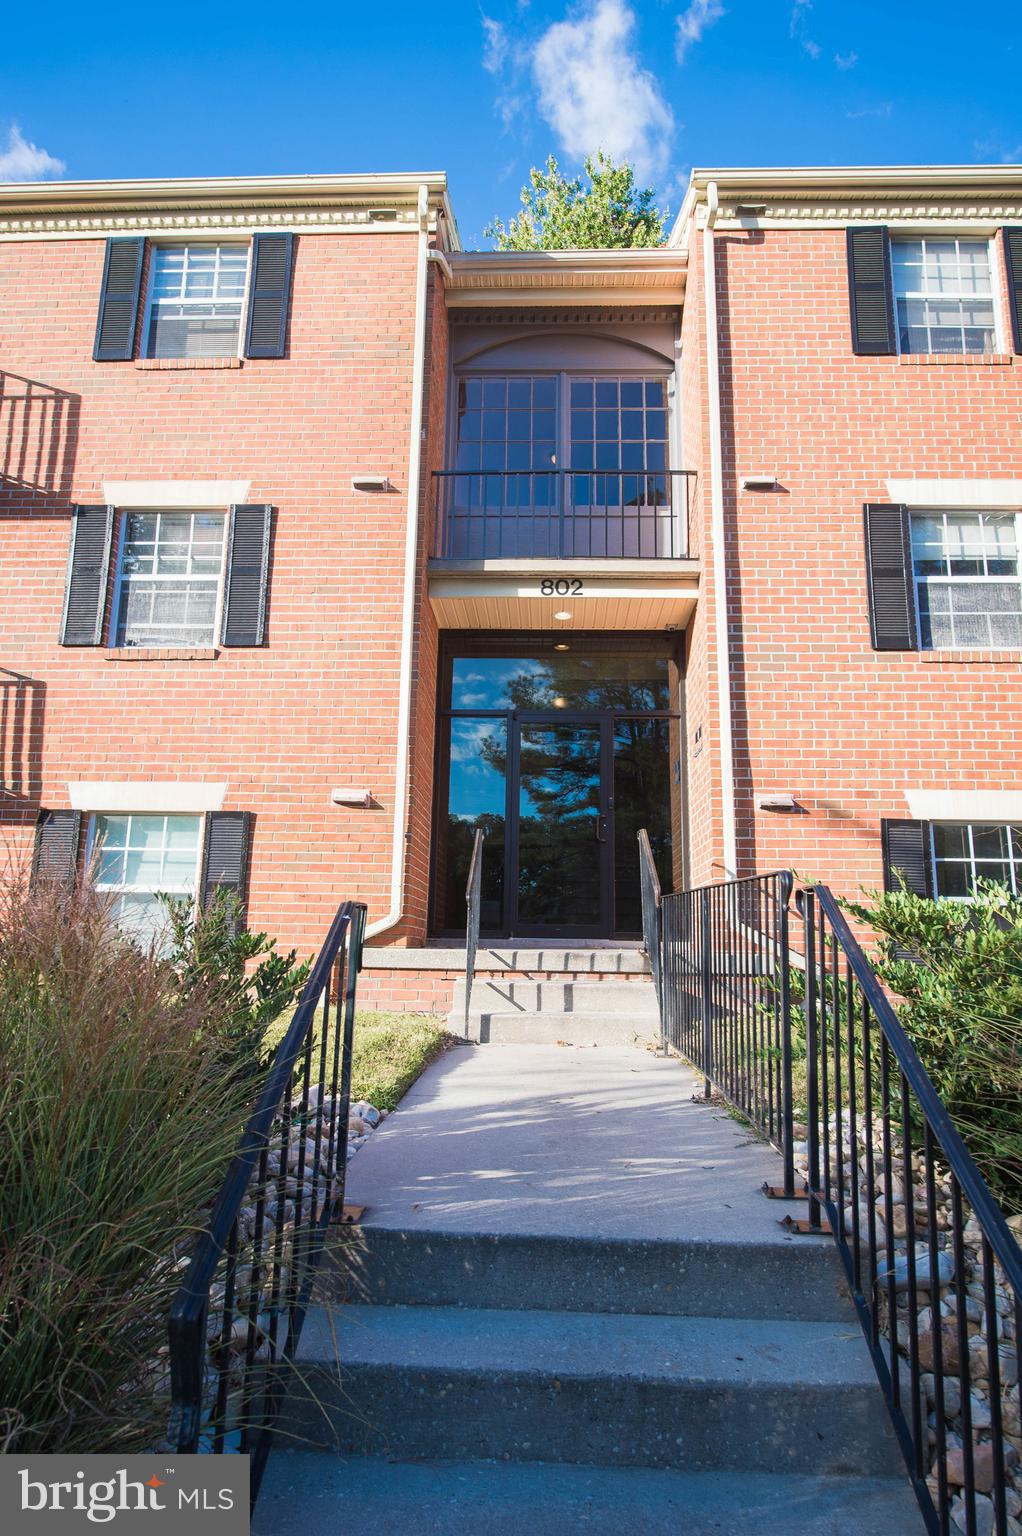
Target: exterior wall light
[563, 616]
[371, 483]
[777, 803]
[759, 482]
[359, 797]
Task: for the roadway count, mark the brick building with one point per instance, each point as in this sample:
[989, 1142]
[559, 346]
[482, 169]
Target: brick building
[325, 543]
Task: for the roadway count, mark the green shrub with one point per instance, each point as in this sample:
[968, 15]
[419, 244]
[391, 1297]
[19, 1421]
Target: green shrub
[960, 1000]
[117, 1120]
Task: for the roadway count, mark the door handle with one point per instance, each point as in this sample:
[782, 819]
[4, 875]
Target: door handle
[601, 829]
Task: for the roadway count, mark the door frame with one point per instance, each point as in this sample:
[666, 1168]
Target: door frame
[464, 642]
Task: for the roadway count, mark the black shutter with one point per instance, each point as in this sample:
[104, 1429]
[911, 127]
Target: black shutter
[55, 856]
[1013, 272]
[892, 609]
[225, 857]
[906, 848]
[248, 561]
[268, 291]
[118, 301]
[88, 568]
[870, 296]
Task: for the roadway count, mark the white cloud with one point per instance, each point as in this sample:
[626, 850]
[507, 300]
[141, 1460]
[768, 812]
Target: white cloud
[693, 22]
[799, 11]
[594, 93]
[494, 46]
[23, 161]
[846, 60]
[883, 110]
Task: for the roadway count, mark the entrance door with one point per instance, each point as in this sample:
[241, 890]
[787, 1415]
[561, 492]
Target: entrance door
[560, 842]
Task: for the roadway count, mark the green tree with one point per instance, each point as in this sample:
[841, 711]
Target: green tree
[562, 214]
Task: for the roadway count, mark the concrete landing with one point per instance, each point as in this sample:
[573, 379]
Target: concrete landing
[557, 1140]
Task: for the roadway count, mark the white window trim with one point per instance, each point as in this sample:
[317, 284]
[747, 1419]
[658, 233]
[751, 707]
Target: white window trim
[170, 240]
[954, 495]
[951, 581]
[185, 495]
[970, 862]
[115, 606]
[146, 797]
[90, 844]
[995, 290]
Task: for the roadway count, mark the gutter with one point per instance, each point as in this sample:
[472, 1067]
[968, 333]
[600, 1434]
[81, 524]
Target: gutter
[399, 842]
[718, 543]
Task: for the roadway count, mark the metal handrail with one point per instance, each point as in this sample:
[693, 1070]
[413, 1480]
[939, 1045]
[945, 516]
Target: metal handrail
[507, 513]
[257, 1257]
[473, 898]
[867, 1087]
[652, 929]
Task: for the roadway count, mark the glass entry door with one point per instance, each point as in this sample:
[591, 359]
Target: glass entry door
[560, 843]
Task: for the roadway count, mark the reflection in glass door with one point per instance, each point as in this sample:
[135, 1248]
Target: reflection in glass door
[562, 845]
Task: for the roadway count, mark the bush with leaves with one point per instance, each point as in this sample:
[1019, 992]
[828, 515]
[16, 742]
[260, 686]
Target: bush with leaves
[956, 969]
[244, 981]
[561, 213]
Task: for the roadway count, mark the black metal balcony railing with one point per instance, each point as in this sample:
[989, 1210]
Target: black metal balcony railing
[562, 514]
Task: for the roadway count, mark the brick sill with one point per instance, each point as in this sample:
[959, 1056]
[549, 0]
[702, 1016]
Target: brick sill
[162, 653]
[972, 658]
[163, 364]
[956, 359]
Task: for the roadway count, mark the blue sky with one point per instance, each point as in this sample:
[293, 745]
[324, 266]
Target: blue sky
[485, 90]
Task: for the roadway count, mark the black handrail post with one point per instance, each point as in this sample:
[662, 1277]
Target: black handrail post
[785, 884]
[812, 1058]
[473, 896]
[706, 967]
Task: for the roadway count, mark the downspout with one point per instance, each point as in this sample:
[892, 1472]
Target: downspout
[404, 699]
[718, 542]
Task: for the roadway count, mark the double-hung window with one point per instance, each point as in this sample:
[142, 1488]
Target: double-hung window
[197, 294]
[964, 854]
[943, 290]
[966, 573]
[140, 858]
[168, 591]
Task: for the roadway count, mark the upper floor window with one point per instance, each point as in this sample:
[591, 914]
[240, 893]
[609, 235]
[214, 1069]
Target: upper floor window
[618, 424]
[140, 858]
[965, 854]
[966, 573]
[943, 290]
[197, 293]
[168, 590]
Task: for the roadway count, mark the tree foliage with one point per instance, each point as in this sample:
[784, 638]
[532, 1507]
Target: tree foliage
[600, 209]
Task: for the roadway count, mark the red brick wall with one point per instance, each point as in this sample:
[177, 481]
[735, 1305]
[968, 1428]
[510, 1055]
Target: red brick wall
[316, 706]
[818, 713]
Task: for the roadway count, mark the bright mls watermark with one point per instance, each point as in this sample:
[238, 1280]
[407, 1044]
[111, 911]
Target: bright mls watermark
[162, 1494]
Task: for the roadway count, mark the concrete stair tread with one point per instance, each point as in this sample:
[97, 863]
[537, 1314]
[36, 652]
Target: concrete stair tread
[306, 1494]
[733, 1275]
[736, 1352]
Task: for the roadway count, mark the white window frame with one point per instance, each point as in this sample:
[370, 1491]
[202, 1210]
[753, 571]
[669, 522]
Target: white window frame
[120, 890]
[995, 288]
[1015, 580]
[150, 299]
[970, 862]
[119, 577]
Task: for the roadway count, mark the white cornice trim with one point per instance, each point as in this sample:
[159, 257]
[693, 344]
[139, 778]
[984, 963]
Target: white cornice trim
[999, 805]
[175, 493]
[151, 797]
[956, 493]
[559, 277]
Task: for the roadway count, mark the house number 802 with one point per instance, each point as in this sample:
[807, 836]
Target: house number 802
[561, 587]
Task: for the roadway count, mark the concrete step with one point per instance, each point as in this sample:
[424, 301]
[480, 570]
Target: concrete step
[308, 1495]
[798, 1281]
[571, 962]
[693, 1393]
[629, 999]
[608, 1029]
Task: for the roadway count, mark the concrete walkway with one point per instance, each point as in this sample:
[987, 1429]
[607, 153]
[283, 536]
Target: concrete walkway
[579, 1142]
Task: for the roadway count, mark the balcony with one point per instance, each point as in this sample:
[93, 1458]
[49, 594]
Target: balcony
[549, 549]
[562, 514]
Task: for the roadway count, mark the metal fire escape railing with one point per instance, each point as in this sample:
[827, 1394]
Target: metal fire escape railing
[473, 899]
[236, 1321]
[813, 1037]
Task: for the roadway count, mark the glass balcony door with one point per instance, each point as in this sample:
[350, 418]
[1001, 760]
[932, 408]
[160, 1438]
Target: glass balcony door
[558, 466]
[560, 846]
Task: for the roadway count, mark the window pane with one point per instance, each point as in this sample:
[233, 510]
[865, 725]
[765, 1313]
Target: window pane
[990, 842]
[209, 330]
[950, 842]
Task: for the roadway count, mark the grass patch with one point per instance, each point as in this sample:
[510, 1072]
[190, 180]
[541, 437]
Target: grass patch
[390, 1051]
